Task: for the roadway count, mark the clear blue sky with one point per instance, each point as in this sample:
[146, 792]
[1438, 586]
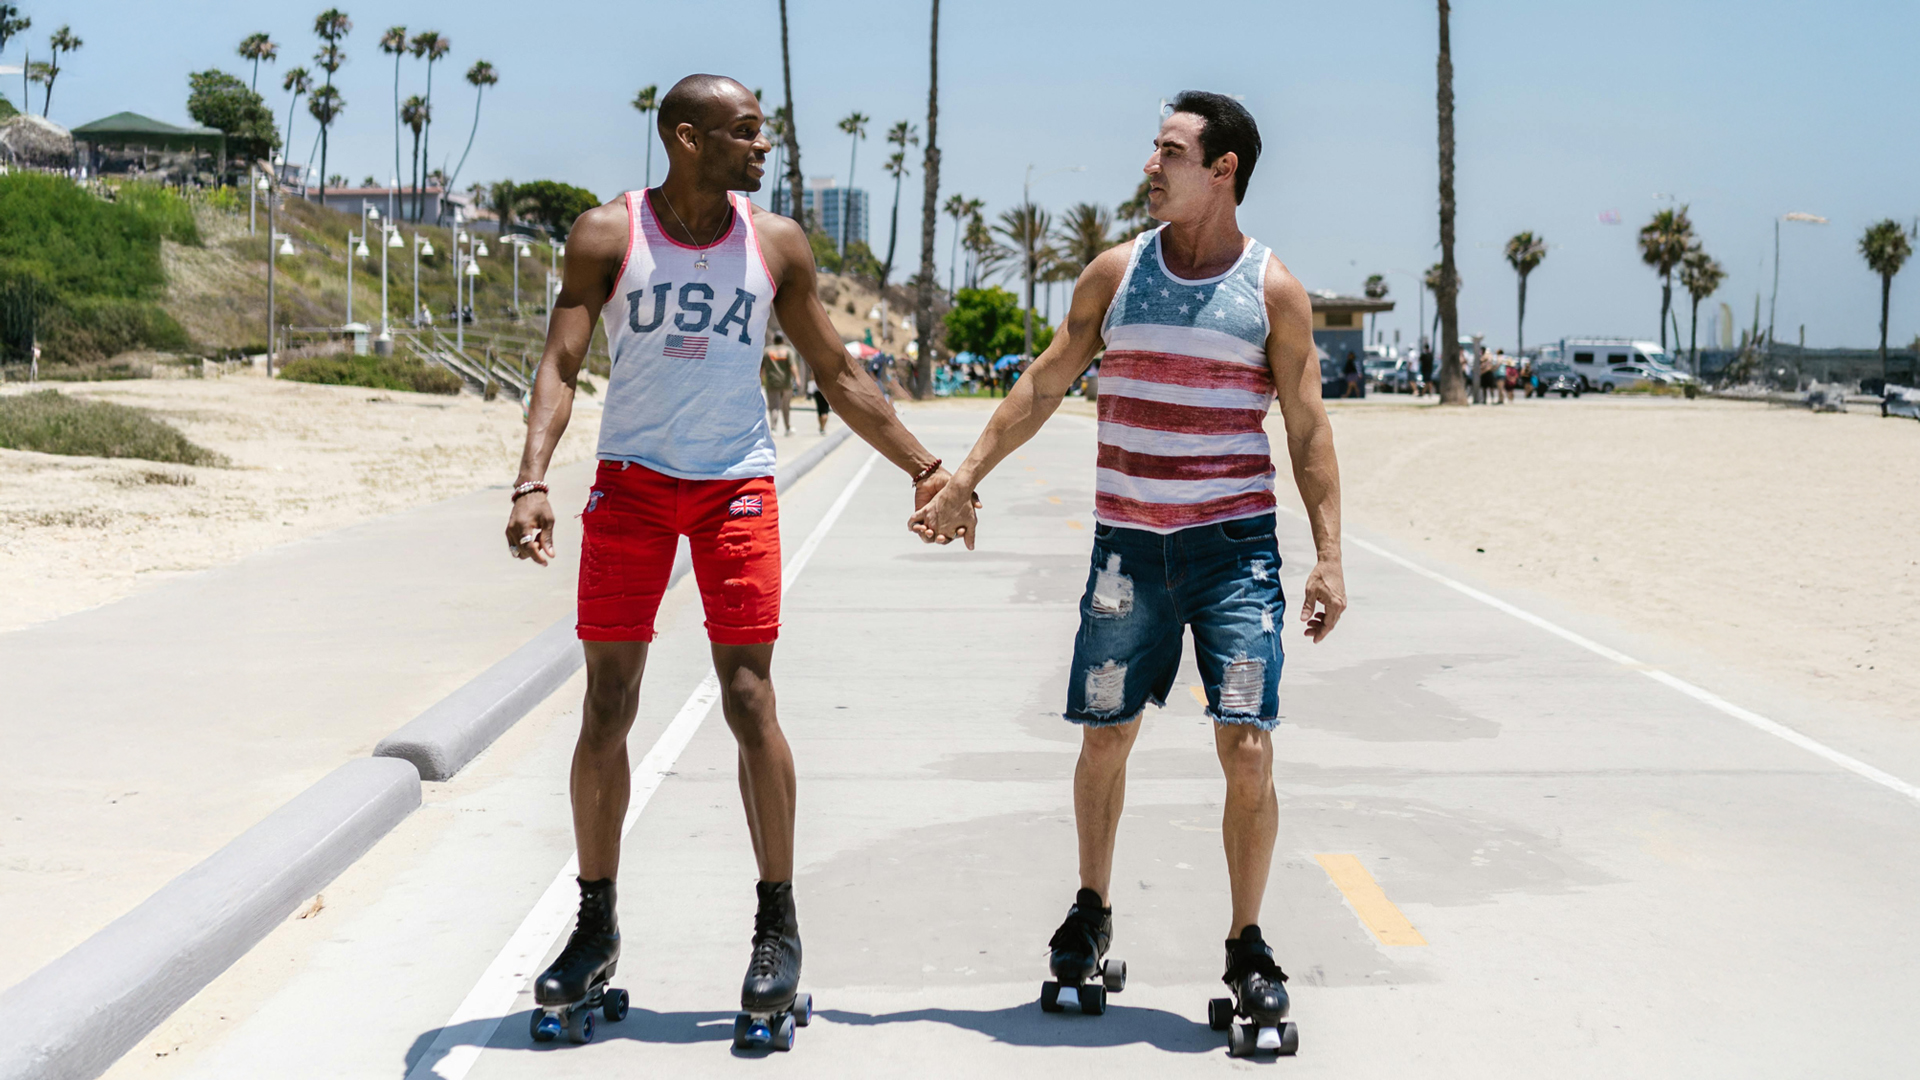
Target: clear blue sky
[1743, 110]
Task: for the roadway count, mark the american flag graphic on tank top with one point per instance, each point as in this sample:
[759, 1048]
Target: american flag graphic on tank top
[1184, 388]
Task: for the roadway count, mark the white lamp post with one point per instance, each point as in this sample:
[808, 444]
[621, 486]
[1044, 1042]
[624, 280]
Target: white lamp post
[421, 246]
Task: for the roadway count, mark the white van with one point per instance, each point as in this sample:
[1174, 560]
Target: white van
[1603, 363]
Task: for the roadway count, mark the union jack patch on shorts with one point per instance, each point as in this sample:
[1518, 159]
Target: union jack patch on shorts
[744, 506]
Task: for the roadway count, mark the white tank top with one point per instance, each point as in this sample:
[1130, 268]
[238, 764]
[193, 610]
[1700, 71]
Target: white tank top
[684, 398]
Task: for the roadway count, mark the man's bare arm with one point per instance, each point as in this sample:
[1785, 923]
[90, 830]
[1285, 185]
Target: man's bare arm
[595, 248]
[849, 389]
[1031, 401]
[1296, 381]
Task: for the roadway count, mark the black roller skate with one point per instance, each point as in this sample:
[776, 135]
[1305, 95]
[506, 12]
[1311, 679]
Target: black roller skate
[1079, 955]
[770, 1007]
[576, 984]
[1258, 998]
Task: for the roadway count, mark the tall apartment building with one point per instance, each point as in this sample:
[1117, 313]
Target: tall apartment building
[829, 204]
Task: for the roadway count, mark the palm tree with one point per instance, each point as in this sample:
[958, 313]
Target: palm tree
[12, 23]
[1885, 247]
[795, 188]
[1453, 377]
[45, 73]
[332, 26]
[325, 105]
[1027, 229]
[1133, 213]
[431, 46]
[298, 82]
[958, 206]
[1085, 232]
[1701, 276]
[504, 198]
[985, 255]
[481, 75]
[929, 214]
[414, 114]
[647, 100]
[1376, 289]
[777, 132]
[901, 135]
[1525, 252]
[258, 47]
[854, 124]
[394, 44]
[1664, 242]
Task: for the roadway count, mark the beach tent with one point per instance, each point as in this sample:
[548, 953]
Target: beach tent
[128, 130]
[1006, 362]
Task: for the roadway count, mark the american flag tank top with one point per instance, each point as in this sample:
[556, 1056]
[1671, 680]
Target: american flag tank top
[1184, 389]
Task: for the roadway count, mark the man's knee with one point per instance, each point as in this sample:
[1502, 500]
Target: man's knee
[1246, 756]
[1108, 744]
[746, 699]
[613, 697]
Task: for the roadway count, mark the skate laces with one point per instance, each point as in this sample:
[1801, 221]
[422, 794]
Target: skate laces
[1077, 933]
[767, 925]
[1255, 960]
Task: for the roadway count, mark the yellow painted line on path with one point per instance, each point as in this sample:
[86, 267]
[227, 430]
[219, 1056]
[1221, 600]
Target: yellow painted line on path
[1054, 499]
[1199, 695]
[1072, 524]
[1369, 902]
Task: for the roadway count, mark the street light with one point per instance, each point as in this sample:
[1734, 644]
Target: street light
[520, 251]
[421, 246]
[466, 268]
[1810, 219]
[273, 253]
[1026, 203]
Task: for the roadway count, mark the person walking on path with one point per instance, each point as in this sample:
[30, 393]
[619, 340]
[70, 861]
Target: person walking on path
[777, 379]
[1426, 367]
[685, 276]
[1203, 328]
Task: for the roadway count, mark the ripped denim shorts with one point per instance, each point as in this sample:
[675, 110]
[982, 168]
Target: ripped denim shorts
[1144, 589]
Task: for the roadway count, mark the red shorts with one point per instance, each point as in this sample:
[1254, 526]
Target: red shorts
[630, 530]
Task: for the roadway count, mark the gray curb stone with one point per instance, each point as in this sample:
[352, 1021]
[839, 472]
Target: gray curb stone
[443, 739]
[75, 1017]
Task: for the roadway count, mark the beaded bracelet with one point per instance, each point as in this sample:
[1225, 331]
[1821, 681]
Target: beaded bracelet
[529, 488]
[926, 472]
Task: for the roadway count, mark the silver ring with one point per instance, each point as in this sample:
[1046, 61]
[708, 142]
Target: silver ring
[529, 538]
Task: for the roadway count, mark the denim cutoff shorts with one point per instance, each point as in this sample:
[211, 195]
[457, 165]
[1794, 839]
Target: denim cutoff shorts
[1144, 589]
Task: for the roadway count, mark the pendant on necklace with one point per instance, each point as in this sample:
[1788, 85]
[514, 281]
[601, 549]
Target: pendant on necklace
[701, 262]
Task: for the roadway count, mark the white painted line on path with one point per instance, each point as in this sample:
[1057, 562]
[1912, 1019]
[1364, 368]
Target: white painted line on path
[472, 1025]
[1705, 697]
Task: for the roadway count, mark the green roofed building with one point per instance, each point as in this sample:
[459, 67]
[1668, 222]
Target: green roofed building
[128, 141]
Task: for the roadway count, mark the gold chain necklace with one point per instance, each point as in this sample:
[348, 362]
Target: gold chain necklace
[701, 262]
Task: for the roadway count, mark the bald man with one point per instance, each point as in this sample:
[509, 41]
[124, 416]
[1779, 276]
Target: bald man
[684, 276]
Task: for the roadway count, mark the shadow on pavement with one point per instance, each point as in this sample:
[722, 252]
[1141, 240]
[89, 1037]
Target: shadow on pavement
[641, 1025]
[1026, 1025]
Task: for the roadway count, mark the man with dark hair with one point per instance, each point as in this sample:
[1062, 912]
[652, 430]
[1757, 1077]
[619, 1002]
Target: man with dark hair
[685, 276]
[1202, 329]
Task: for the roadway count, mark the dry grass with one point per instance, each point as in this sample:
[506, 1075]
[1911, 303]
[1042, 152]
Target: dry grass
[50, 422]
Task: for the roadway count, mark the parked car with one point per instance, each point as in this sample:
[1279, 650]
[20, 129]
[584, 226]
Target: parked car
[1594, 358]
[1390, 376]
[1558, 378]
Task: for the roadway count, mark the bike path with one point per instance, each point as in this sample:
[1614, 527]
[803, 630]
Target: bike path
[1595, 874]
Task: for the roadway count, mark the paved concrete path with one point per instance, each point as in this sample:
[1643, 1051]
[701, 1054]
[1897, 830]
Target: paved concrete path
[142, 735]
[1598, 875]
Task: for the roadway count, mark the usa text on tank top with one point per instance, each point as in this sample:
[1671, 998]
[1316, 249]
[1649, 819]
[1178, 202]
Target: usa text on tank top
[684, 398]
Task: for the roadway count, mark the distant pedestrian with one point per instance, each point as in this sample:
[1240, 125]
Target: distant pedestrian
[1353, 389]
[777, 379]
[1426, 367]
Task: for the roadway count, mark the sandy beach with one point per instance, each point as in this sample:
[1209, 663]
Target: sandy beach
[306, 459]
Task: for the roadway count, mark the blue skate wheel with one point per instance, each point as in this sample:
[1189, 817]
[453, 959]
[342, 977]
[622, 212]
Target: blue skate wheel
[580, 1026]
[780, 1036]
[614, 1006]
[545, 1027]
[802, 1008]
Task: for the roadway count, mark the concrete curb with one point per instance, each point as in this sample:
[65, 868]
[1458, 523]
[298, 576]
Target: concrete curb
[442, 740]
[75, 1017]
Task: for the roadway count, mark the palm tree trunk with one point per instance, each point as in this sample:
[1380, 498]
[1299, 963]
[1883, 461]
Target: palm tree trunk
[953, 260]
[255, 86]
[1520, 324]
[846, 200]
[794, 186]
[929, 215]
[1693, 340]
[893, 236]
[1666, 304]
[416, 180]
[1453, 378]
[426, 155]
[396, 119]
[478, 93]
[291, 109]
[649, 116]
[1886, 295]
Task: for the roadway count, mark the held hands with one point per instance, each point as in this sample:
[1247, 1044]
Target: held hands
[1327, 589]
[942, 512]
[530, 528]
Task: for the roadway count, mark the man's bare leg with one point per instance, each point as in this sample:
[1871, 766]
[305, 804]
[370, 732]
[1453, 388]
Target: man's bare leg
[1099, 796]
[1252, 819]
[765, 759]
[602, 779]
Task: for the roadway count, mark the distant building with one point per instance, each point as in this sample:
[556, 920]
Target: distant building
[828, 203]
[1340, 322]
[348, 200]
